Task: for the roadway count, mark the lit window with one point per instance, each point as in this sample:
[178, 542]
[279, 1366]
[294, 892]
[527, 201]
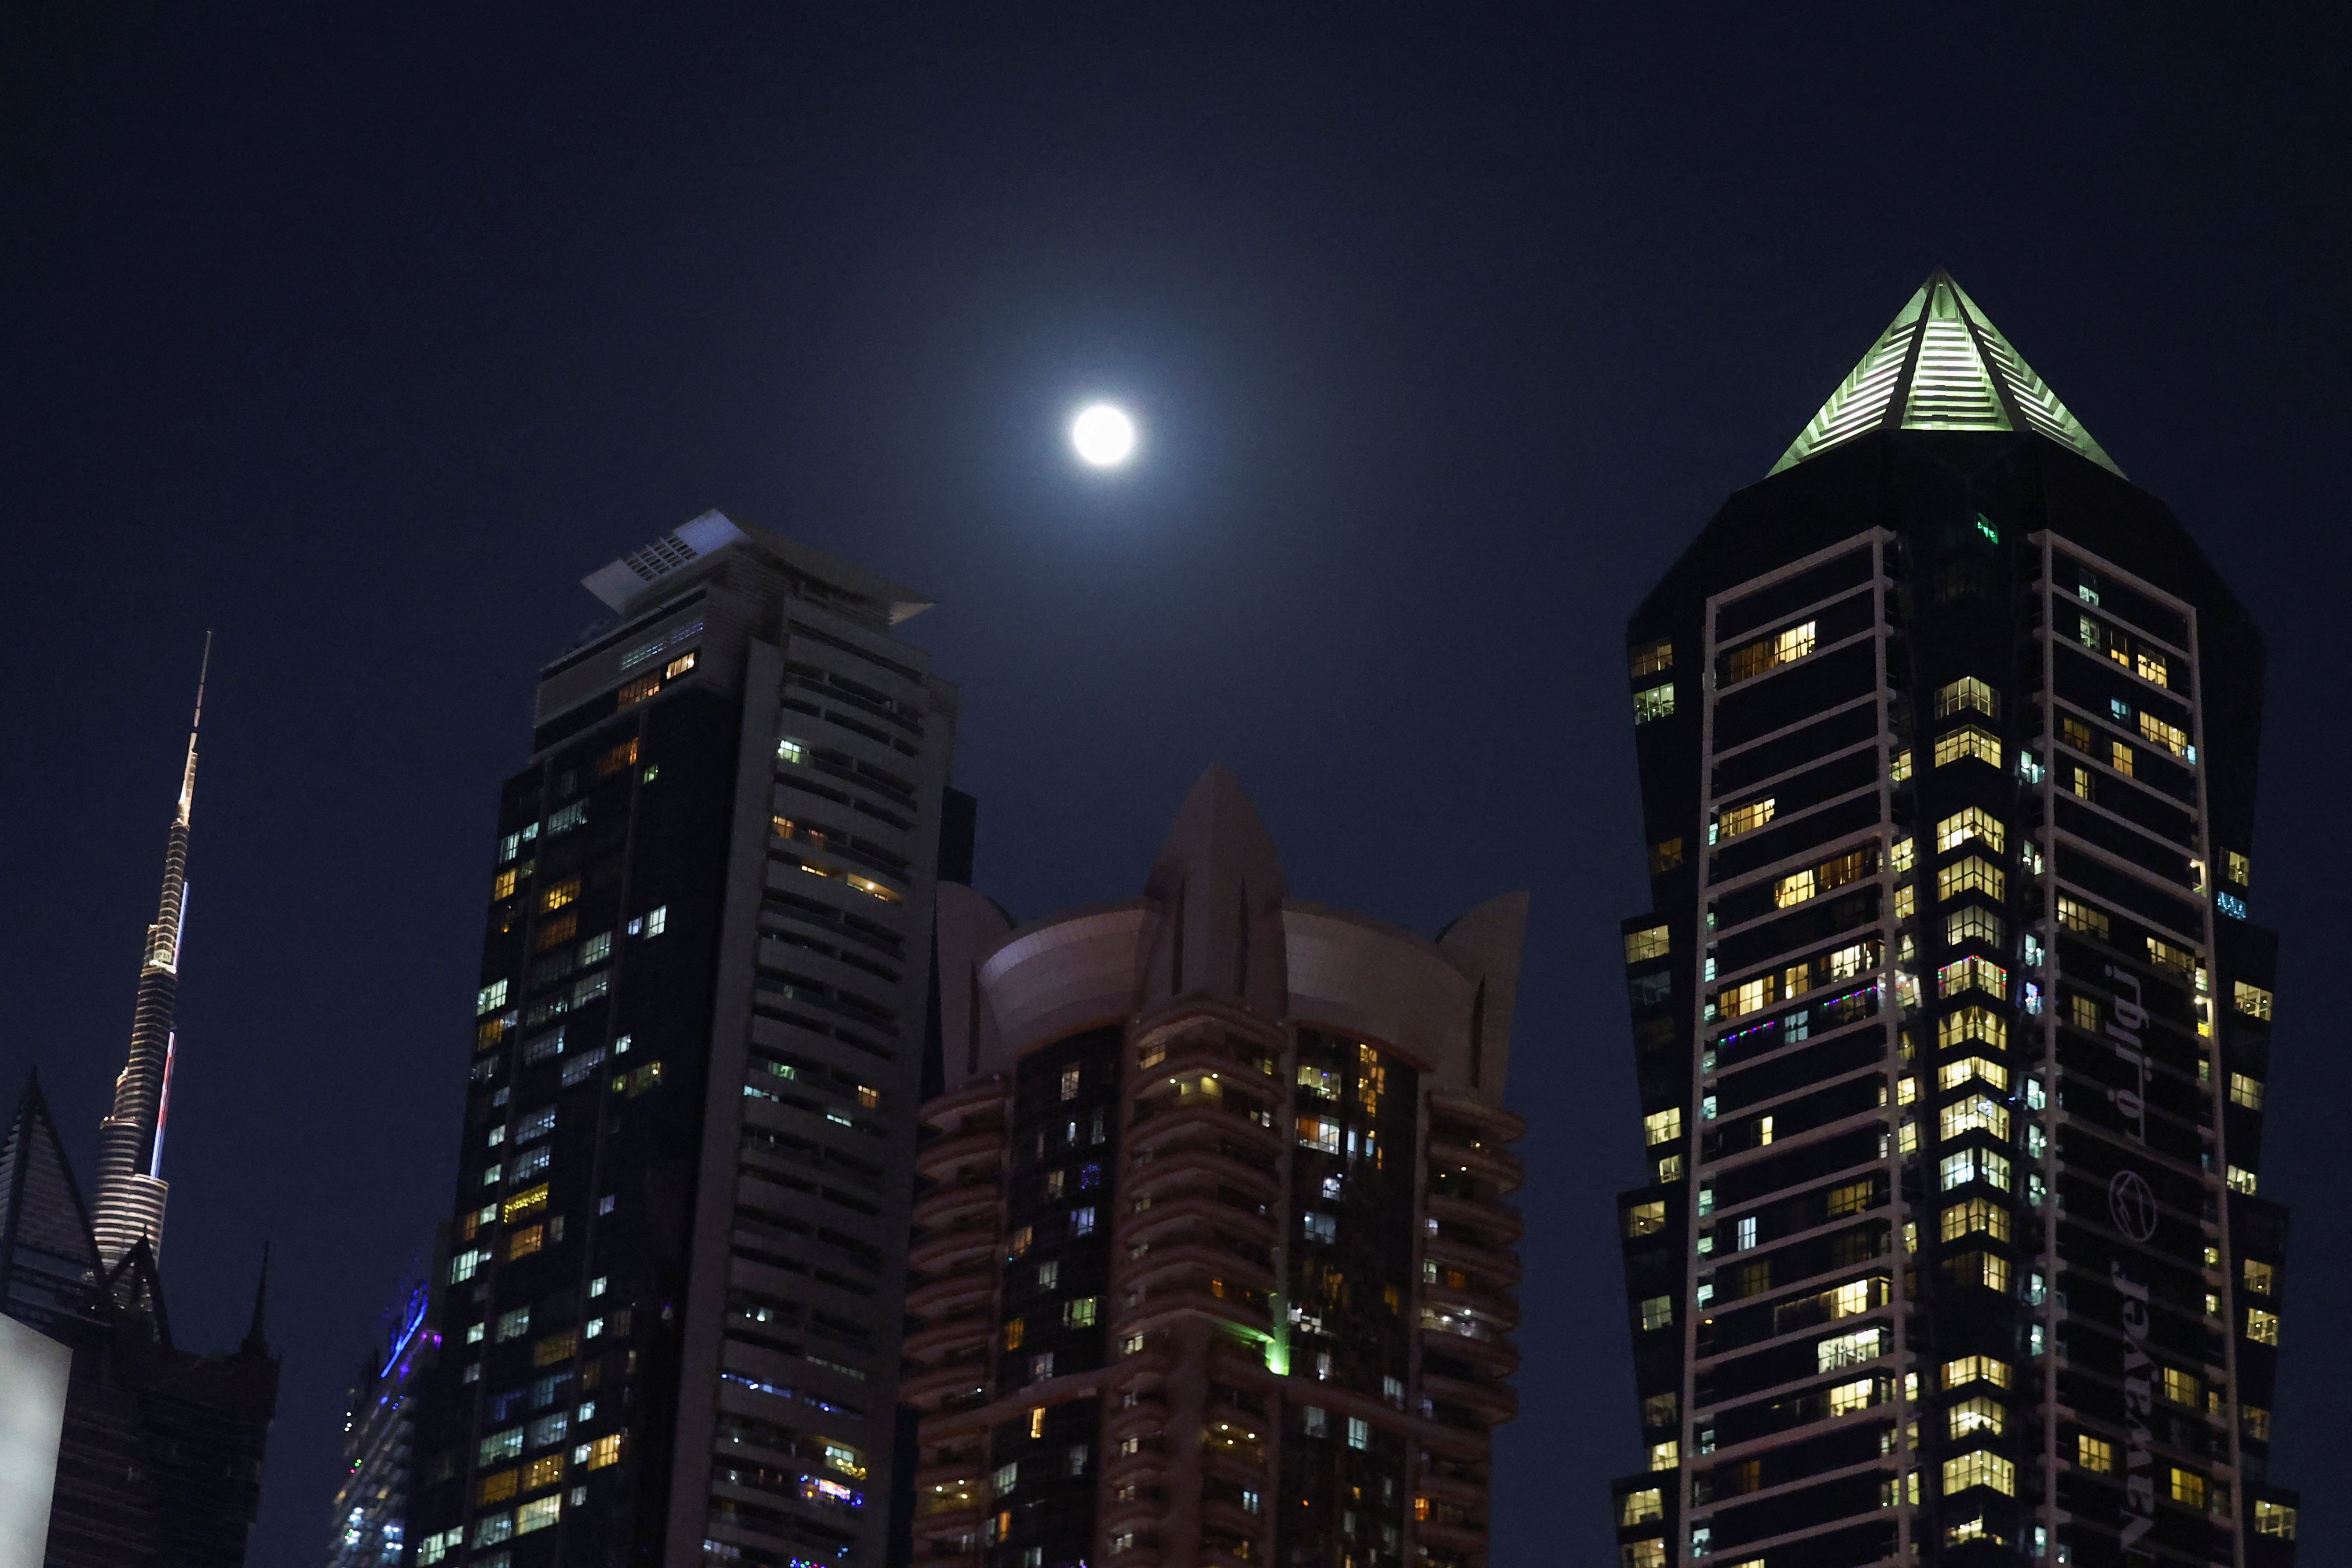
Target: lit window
[490, 998]
[1967, 743]
[1905, 900]
[1745, 818]
[678, 666]
[1082, 1222]
[1973, 823]
[1848, 961]
[1849, 1350]
[2078, 916]
[1360, 1432]
[1976, 1215]
[2261, 1327]
[1664, 856]
[2274, 1519]
[1649, 659]
[563, 893]
[525, 1203]
[538, 1514]
[1657, 703]
[1663, 1126]
[1079, 1313]
[544, 1471]
[1850, 1199]
[2172, 737]
[499, 1446]
[1971, 1417]
[2261, 1278]
[1749, 996]
[1319, 1133]
[1988, 1269]
[1980, 1468]
[2151, 667]
[2237, 867]
[1069, 1083]
[1970, 1164]
[2183, 1387]
[513, 1325]
[1844, 1398]
[1641, 946]
[2241, 1180]
[1641, 1507]
[1967, 694]
[525, 1242]
[570, 818]
[1971, 973]
[2093, 1453]
[1649, 1552]
[1976, 1369]
[620, 756]
[497, 1486]
[1966, 1024]
[503, 885]
[2246, 1091]
[1974, 923]
[2188, 1486]
[2252, 1001]
[1013, 1330]
[790, 751]
[1953, 1074]
[1973, 874]
[1898, 766]
[2120, 757]
[1665, 1455]
[1657, 1311]
[1645, 1219]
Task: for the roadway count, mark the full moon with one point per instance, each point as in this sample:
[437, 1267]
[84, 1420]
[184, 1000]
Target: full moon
[1103, 436]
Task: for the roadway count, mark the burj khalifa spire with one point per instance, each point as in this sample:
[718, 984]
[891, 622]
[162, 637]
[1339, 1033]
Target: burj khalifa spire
[131, 1185]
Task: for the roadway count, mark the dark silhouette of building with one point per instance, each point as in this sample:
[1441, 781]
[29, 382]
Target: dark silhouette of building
[1212, 1262]
[665, 1319]
[1952, 1030]
[160, 1462]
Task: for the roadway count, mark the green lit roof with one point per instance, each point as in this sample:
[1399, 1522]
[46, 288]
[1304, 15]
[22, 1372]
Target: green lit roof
[1944, 367]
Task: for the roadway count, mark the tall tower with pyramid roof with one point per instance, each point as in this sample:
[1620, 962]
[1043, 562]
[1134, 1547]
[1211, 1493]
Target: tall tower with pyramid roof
[131, 1186]
[1952, 1023]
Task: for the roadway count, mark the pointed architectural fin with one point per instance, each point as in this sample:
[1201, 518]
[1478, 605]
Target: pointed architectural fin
[135, 1288]
[49, 1256]
[1216, 892]
[1942, 364]
[254, 1343]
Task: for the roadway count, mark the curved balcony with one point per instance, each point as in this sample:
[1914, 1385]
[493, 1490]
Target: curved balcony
[951, 1205]
[1497, 1401]
[1492, 1121]
[1439, 1487]
[1486, 1162]
[950, 1249]
[1496, 1271]
[1203, 1053]
[1489, 1309]
[941, 1159]
[1205, 1163]
[1468, 1539]
[1496, 1355]
[956, 1107]
[942, 1383]
[1499, 1223]
[1158, 1125]
[936, 1297]
[958, 1334]
[1197, 1260]
[1203, 1220]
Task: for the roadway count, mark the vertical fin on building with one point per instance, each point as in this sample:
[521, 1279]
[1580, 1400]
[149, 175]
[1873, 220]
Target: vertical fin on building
[1486, 945]
[1941, 364]
[48, 1254]
[1215, 895]
[135, 1290]
[256, 1343]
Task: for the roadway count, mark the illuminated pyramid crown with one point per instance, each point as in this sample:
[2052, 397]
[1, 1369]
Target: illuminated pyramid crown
[1941, 366]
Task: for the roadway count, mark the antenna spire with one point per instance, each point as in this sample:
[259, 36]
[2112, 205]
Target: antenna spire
[188, 775]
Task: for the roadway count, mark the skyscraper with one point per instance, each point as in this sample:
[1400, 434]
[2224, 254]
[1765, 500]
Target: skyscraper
[130, 1190]
[161, 1458]
[666, 1318]
[371, 1512]
[1951, 1026]
[1212, 1261]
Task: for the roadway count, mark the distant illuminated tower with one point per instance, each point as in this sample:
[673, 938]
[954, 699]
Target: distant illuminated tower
[131, 1186]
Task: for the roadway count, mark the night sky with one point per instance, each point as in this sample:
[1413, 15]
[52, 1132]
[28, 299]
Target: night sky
[360, 334]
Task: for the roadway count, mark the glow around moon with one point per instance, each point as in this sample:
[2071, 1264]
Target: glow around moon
[1103, 436]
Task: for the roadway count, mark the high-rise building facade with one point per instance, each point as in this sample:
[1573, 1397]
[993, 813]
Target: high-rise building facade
[1953, 1032]
[371, 1513]
[666, 1320]
[1212, 1261]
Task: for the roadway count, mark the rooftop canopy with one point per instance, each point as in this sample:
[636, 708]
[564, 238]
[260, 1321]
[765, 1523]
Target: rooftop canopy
[1944, 367]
